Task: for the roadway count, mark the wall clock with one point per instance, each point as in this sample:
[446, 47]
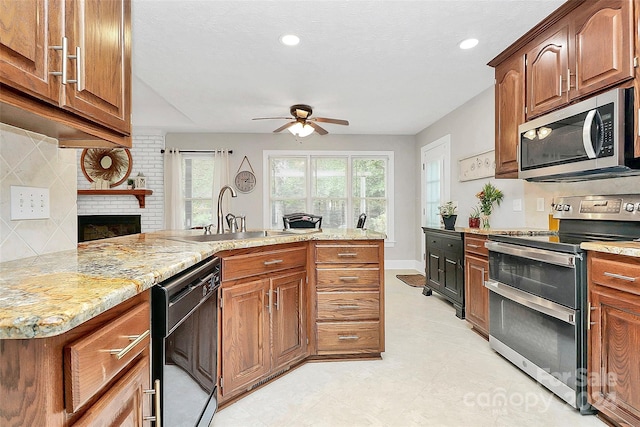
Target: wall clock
[245, 180]
[109, 164]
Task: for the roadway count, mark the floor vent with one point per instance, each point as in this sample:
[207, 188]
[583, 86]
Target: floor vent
[267, 379]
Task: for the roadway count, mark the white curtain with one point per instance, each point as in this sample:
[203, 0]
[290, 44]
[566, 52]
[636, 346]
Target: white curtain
[173, 193]
[220, 179]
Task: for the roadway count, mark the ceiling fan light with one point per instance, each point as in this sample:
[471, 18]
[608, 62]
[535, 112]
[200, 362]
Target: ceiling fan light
[468, 43]
[301, 130]
[289, 40]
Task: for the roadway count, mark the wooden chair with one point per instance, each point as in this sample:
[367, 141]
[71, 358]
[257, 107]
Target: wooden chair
[302, 220]
[361, 220]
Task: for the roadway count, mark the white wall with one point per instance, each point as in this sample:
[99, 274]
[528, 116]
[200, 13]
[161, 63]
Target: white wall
[146, 157]
[33, 160]
[252, 145]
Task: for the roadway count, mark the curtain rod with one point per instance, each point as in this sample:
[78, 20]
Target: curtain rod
[201, 151]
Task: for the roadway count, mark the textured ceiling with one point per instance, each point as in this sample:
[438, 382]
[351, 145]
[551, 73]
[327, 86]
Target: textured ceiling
[389, 67]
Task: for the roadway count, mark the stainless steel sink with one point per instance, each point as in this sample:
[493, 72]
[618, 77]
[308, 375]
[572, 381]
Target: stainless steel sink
[232, 236]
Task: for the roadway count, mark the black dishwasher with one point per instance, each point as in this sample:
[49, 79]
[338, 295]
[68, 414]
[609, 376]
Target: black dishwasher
[184, 328]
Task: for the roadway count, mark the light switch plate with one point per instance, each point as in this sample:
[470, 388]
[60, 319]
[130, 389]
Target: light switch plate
[517, 205]
[540, 204]
[29, 203]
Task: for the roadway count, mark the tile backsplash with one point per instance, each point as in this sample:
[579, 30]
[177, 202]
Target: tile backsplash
[34, 160]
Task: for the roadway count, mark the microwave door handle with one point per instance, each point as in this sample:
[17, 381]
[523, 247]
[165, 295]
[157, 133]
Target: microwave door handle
[586, 134]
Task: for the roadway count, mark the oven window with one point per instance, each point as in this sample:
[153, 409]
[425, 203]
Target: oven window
[551, 282]
[546, 341]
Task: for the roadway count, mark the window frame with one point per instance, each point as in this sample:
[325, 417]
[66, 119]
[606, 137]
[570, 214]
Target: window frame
[350, 155]
[185, 199]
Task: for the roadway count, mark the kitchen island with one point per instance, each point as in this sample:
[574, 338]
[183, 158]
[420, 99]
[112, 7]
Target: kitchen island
[61, 315]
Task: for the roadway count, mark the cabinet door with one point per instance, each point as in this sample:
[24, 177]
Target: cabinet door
[453, 271]
[28, 29]
[547, 65]
[102, 31]
[125, 403]
[245, 334]
[603, 45]
[288, 318]
[476, 295]
[510, 77]
[614, 371]
[205, 346]
[435, 272]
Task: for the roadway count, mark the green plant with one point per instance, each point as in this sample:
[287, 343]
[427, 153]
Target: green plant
[475, 212]
[488, 196]
[447, 210]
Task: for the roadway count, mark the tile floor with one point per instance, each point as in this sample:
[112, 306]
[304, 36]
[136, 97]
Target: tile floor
[435, 372]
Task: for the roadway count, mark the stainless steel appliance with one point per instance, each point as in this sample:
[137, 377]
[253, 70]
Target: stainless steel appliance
[184, 332]
[590, 139]
[538, 291]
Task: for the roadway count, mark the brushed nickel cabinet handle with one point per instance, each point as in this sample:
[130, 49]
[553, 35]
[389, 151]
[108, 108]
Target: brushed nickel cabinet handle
[156, 403]
[347, 306]
[78, 68]
[471, 245]
[347, 254]
[619, 276]
[63, 72]
[348, 278]
[348, 337]
[119, 353]
[272, 262]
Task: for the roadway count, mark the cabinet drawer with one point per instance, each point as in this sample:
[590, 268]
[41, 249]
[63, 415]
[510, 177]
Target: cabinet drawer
[95, 359]
[348, 279]
[348, 305]
[475, 244]
[617, 272]
[349, 337]
[350, 254]
[239, 266]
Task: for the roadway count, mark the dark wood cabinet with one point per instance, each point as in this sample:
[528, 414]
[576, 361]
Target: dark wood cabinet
[476, 272]
[582, 48]
[80, 96]
[614, 336]
[444, 266]
[509, 97]
[547, 63]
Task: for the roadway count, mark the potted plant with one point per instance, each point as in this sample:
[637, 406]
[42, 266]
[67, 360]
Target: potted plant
[474, 217]
[488, 196]
[448, 214]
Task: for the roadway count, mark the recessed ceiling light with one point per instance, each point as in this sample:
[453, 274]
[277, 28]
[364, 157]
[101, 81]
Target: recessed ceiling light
[289, 40]
[468, 43]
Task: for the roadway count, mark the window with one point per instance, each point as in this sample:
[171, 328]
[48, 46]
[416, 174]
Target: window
[339, 186]
[198, 190]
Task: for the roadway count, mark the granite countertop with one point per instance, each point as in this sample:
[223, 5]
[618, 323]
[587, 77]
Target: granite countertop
[619, 248]
[50, 294]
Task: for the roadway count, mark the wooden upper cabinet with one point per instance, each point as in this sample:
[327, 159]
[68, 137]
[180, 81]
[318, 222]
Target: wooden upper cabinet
[509, 106]
[25, 45]
[546, 70]
[603, 38]
[102, 32]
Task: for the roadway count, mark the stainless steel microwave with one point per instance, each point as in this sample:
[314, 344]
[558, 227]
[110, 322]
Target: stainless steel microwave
[590, 139]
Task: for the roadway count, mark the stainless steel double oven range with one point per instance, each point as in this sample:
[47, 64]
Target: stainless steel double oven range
[538, 291]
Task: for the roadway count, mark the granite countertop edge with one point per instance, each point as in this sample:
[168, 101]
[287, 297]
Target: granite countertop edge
[631, 248]
[50, 294]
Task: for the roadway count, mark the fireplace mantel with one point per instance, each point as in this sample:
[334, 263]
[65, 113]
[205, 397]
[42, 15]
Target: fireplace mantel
[139, 194]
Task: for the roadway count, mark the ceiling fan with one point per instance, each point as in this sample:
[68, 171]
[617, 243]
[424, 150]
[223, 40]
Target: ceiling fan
[303, 124]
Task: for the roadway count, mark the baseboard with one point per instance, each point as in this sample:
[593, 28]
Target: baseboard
[400, 264]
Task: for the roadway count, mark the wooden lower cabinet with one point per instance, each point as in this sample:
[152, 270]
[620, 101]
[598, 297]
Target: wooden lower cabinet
[614, 337]
[476, 272]
[263, 317]
[70, 379]
[349, 299]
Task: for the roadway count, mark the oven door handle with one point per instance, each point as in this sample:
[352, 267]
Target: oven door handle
[551, 257]
[533, 302]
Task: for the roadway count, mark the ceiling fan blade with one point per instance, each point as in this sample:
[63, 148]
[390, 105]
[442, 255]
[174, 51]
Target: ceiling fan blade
[286, 126]
[272, 118]
[334, 121]
[318, 129]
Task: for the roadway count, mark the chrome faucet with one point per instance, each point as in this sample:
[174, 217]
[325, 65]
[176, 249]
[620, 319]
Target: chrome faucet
[220, 215]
